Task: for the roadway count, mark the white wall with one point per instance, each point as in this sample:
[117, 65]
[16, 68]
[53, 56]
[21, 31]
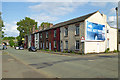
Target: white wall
[96, 46]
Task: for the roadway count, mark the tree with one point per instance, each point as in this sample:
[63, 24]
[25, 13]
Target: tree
[45, 25]
[25, 27]
[1, 29]
[11, 42]
[8, 38]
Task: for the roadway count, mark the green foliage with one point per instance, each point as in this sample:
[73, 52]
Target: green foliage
[45, 23]
[11, 42]
[107, 50]
[25, 26]
[8, 38]
[65, 51]
[1, 28]
[55, 50]
[47, 50]
[115, 51]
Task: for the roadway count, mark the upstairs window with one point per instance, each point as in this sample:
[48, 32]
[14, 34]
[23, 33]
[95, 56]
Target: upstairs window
[77, 30]
[54, 33]
[46, 34]
[41, 35]
[66, 31]
[107, 31]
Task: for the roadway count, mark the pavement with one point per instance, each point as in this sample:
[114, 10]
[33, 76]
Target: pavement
[68, 66]
[12, 68]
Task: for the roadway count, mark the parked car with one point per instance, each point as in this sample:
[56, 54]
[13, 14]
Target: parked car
[21, 48]
[4, 47]
[17, 47]
[32, 48]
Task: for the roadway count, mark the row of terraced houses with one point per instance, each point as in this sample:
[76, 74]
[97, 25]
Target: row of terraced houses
[86, 34]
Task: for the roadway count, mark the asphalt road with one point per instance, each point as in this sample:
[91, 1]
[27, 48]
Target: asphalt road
[52, 65]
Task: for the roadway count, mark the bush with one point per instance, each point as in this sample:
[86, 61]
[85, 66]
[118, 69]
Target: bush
[115, 51]
[55, 50]
[47, 50]
[11, 42]
[107, 50]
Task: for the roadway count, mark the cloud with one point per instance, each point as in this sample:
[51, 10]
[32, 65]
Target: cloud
[11, 29]
[55, 8]
[112, 11]
[112, 21]
[99, 4]
[43, 18]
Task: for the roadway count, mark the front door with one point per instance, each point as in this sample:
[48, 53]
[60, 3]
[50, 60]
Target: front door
[61, 46]
[49, 45]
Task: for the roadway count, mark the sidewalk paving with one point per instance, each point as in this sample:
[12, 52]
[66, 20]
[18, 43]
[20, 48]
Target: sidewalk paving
[12, 68]
[77, 54]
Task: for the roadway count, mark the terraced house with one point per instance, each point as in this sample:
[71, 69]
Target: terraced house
[86, 34]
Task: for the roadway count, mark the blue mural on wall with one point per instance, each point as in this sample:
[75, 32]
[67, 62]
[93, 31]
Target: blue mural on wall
[95, 31]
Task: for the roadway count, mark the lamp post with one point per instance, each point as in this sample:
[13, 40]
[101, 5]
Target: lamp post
[117, 25]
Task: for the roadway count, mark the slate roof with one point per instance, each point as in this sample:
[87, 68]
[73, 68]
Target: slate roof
[79, 19]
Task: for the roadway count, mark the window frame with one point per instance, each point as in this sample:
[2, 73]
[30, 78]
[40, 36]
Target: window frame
[77, 30]
[77, 47]
[66, 31]
[55, 33]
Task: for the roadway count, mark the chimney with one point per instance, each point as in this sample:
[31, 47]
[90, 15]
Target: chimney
[45, 26]
[40, 28]
[51, 25]
[33, 30]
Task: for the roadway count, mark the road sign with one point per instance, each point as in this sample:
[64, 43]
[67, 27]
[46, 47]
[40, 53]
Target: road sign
[82, 39]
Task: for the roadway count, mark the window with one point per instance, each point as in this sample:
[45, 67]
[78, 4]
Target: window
[77, 44]
[41, 35]
[54, 33]
[107, 31]
[46, 44]
[77, 30]
[66, 43]
[66, 31]
[46, 34]
[55, 44]
[41, 44]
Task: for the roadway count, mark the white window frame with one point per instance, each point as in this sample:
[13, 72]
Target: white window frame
[76, 45]
[55, 33]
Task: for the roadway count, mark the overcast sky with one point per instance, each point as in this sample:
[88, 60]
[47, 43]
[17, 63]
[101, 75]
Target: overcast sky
[53, 12]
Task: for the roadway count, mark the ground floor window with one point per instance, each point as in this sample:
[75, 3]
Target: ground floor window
[77, 44]
[55, 44]
[66, 43]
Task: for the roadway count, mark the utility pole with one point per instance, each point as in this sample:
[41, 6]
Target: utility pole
[117, 27]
